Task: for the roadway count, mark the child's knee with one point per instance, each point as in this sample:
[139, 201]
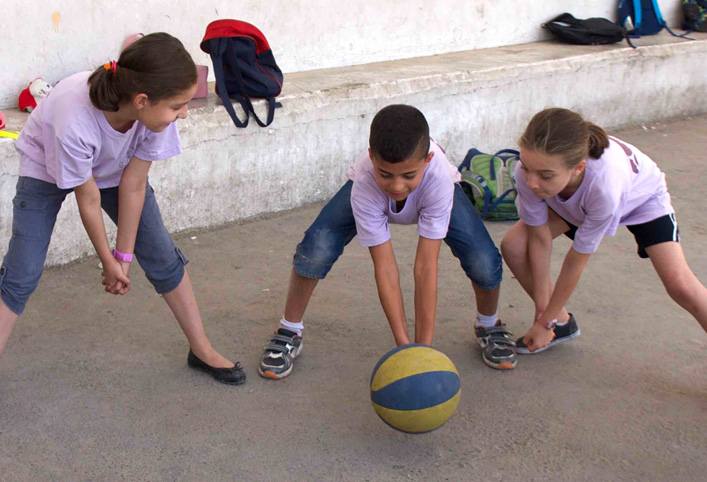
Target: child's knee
[166, 274]
[681, 289]
[485, 270]
[513, 245]
[317, 253]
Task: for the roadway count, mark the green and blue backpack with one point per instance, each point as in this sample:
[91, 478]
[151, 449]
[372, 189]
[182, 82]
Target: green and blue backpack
[695, 13]
[488, 181]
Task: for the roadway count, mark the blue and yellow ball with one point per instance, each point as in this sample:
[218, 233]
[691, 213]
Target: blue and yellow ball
[415, 388]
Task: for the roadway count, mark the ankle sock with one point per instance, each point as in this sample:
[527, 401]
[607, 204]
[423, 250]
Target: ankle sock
[486, 321]
[296, 327]
[563, 323]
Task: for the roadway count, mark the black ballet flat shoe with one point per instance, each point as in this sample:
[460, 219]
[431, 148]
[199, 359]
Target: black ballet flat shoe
[229, 376]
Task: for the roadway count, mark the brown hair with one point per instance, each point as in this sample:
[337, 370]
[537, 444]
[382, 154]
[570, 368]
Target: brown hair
[157, 65]
[562, 132]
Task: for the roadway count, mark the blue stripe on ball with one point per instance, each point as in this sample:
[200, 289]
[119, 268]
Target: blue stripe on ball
[429, 389]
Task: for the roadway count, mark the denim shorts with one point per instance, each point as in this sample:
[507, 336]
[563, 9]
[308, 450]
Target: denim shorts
[335, 227]
[35, 208]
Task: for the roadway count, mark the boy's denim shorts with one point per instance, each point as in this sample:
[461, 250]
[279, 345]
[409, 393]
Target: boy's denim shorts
[335, 227]
[35, 208]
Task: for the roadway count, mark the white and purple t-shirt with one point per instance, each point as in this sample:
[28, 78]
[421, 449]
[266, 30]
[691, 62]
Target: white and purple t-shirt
[623, 187]
[67, 140]
[429, 205]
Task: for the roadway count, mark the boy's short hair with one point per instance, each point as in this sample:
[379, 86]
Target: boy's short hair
[398, 133]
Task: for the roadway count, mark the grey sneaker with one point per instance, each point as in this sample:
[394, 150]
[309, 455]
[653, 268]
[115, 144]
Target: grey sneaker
[564, 332]
[279, 354]
[498, 349]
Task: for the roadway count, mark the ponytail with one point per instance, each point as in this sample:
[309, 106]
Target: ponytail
[598, 140]
[156, 65]
[102, 90]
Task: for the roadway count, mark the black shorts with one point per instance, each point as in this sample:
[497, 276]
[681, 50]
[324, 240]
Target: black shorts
[659, 230]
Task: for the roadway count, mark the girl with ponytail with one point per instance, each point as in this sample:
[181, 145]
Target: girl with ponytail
[574, 179]
[96, 135]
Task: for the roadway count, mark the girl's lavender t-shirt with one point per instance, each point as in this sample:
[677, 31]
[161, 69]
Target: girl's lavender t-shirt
[67, 140]
[429, 205]
[623, 187]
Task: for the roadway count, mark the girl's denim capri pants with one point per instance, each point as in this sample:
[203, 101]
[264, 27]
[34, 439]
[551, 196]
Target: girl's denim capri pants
[35, 208]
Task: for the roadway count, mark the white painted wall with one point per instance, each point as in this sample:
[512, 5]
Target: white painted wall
[53, 39]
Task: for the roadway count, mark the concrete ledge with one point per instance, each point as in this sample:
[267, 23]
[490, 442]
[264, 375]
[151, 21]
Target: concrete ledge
[479, 98]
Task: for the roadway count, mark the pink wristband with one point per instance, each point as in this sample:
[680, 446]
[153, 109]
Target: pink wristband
[549, 325]
[119, 255]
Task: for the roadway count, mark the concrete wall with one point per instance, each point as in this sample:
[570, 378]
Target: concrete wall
[480, 98]
[55, 39]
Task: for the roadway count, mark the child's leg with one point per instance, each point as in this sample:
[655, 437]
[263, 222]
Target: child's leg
[514, 247]
[163, 263]
[482, 263]
[680, 282]
[472, 245]
[182, 302]
[8, 320]
[298, 296]
[321, 246]
[35, 208]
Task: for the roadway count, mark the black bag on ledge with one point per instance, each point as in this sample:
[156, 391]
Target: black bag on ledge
[592, 31]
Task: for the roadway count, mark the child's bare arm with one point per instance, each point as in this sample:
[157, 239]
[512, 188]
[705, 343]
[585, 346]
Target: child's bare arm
[571, 271]
[426, 270]
[388, 282]
[539, 251]
[88, 198]
[131, 198]
[538, 336]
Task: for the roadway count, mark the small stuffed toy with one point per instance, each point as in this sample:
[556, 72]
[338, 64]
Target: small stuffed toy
[37, 90]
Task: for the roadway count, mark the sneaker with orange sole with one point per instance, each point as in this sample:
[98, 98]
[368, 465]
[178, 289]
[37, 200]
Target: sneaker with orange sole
[498, 350]
[279, 354]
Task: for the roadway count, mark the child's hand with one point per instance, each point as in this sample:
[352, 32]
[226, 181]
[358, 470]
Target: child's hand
[115, 278]
[537, 337]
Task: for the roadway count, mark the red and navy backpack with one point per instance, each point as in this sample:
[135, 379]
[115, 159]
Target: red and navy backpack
[244, 67]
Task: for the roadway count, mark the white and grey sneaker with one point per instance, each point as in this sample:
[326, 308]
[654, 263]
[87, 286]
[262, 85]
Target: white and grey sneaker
[279, 354]
[497, 346]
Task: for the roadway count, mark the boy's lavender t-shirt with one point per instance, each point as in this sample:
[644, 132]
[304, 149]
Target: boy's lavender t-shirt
[67, 140]
[429, 205]
[623, 187]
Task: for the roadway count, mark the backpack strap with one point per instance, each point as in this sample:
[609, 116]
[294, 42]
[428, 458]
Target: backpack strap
[507, 151]
[487, 194]
[637, 14]
[501, 199]
[217, 50]
[466, 163]
[498, 154]
[272, 105]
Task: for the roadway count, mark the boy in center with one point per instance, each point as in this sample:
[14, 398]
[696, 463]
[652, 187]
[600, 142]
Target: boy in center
[403, 178]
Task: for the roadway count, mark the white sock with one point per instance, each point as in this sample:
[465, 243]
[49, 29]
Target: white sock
[296, 327]
[563, 323]
[486, 321]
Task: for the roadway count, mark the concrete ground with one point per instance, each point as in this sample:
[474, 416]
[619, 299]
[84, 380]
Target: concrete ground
[95, 387]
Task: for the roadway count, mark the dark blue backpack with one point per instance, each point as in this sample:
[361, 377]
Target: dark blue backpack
[642, 17]
[244, 67]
